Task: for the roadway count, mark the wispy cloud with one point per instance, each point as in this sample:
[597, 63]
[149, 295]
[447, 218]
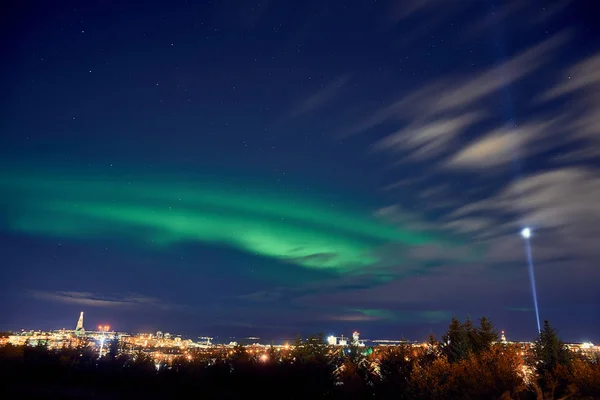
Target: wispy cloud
[495, 16]
[456, 96]
[582, 76]
[580, 85]
[503, 144]
[428, 139]
[469, 225]
[130, 301]
[562, 202]
[395, 214]
[402, 9]
[262, 296]
[508, 13]
[321, 97]
[433, 192]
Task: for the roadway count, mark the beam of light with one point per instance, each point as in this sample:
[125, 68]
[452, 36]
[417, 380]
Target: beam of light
[532, 281]
[509, 107]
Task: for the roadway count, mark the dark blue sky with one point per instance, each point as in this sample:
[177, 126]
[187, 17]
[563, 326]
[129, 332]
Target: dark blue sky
[233, 168]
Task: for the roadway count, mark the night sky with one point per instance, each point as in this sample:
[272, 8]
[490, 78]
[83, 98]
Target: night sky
[241, 168]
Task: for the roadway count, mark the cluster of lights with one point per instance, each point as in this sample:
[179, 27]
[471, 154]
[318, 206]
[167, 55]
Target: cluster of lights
[103, 328]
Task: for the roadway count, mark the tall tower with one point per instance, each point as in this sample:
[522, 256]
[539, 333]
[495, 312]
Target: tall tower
[79, 330]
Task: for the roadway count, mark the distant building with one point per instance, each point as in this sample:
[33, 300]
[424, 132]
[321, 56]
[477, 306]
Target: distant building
[79, 330]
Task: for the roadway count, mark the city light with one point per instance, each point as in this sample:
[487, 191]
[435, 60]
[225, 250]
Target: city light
[166, 349]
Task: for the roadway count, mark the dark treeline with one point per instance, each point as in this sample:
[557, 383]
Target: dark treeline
[467, 363]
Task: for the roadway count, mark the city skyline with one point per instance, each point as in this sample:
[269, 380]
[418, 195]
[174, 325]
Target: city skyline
[341, 338]
[268, 169]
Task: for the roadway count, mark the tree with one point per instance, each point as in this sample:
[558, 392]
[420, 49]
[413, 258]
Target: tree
[113, 349]
[486, 335]
[313, 349]
[311, 372]
[395, 368]
[586, 377]
[462, 340]
[456, 345]
[550, 351]
[552, 362]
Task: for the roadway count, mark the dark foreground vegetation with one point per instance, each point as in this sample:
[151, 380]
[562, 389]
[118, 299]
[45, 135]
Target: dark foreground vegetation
[467, 363]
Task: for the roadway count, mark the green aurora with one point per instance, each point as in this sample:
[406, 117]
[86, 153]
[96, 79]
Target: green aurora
[160, 212]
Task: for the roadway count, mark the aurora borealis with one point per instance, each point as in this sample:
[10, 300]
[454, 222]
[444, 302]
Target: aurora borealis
[158, 213]
[233, 168]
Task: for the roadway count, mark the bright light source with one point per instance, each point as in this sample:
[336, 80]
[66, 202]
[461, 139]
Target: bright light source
[526, 233]
[264, 358]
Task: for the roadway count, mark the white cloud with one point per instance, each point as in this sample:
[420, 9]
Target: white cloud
[429, 139]
[469, 225]
[404, 8]
[437, 114]
[562, 204]
[580, 85]
[519, 14]
[405, 182]
[503, 145]
[495, 78]
[508, 9]
[469, 208]
[583, 75]
[99, 300]
[434, 191]
[321, 97]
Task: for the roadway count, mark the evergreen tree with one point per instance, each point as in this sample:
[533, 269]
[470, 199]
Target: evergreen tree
[456, 345]
[471, 333]
[550, 351]
[432, 351]
[113, 349]
[486, 335]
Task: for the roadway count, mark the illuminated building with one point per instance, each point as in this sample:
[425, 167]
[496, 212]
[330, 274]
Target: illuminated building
[79, 330]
